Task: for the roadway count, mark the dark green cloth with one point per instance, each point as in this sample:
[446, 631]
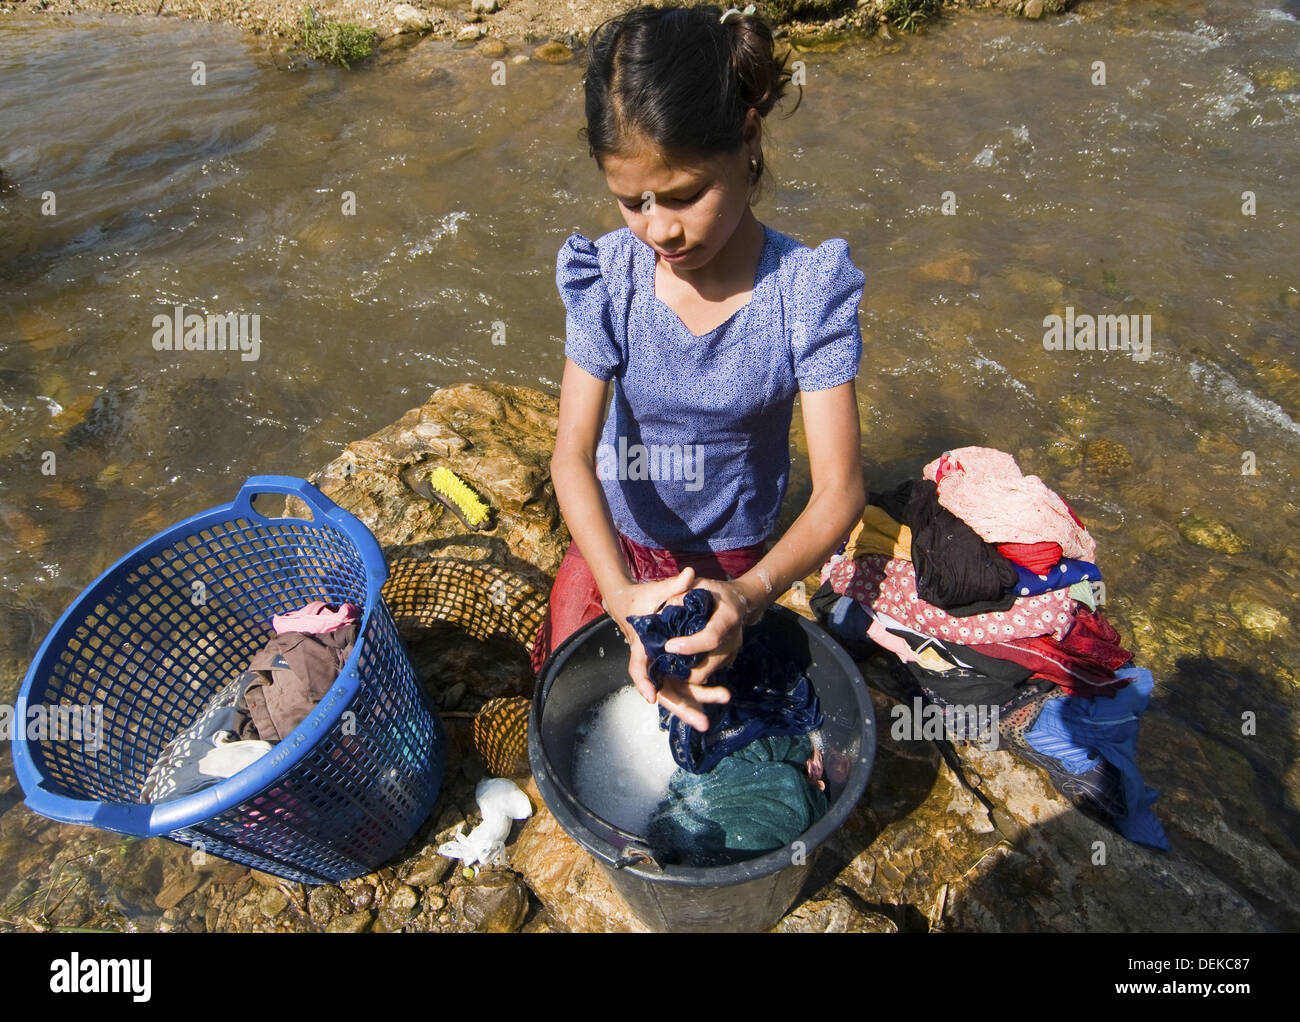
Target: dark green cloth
[755, 800]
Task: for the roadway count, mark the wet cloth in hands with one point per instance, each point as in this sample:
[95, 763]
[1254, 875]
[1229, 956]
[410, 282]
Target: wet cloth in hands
[289, 676]
[753, 801]
[954, 566]
[1081, 732]
[770, 695]
[674, 620]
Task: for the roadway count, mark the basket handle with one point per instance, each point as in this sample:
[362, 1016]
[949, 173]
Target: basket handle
[323, 508]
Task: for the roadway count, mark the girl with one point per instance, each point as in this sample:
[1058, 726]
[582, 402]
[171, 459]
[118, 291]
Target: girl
[708, 323]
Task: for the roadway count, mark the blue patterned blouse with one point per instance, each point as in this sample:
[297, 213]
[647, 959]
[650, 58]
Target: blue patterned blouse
[695, 453]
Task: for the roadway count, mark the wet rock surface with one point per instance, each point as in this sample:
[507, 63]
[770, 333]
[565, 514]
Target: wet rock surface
[918, 853]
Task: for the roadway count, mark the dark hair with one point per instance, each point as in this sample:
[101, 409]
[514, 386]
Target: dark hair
[649, 73]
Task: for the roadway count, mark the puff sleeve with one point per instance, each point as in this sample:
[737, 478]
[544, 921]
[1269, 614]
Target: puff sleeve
[825, 339]
[591, 340]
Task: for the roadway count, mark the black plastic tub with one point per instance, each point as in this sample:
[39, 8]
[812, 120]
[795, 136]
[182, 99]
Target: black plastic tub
[748, 896]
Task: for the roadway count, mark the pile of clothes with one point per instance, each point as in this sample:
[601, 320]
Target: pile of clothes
[752, 782]
[979, 580]
[282, 685]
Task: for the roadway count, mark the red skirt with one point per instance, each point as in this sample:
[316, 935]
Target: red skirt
[575, 597]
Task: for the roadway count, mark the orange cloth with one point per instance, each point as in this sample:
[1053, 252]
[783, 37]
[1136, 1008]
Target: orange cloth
[878, 533]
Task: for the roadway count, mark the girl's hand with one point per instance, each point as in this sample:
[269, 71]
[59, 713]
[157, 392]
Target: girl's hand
[719, 641]
[637, 599]
[684, 699]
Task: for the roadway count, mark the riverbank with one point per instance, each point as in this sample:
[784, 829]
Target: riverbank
[555, 29]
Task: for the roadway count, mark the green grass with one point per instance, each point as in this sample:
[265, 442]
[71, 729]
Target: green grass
[339, 42]
[910, 15]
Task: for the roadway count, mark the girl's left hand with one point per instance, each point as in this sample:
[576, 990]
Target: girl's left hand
[720, 639]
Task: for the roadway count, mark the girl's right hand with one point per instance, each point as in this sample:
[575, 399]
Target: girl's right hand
[647, 598]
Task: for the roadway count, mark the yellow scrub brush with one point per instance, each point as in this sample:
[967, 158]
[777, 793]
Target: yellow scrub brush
[452, 492]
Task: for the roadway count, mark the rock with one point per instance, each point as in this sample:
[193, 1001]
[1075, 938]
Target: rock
[1257, 618]
[429, 869]
[1215, 535]
[19, 893]
[326, 902]
[1034, 283]
[1034, 9]
[434, 901]
[496, 437]
[177, 887]
[352, 922]
[496, 903]
[491, 47]
[1106, 458]
[957, 269]
[222, 871]
[836, 914]
[469, 33]
[1283, 79]
[566, 879]
[273, 902]
[410, 19]
[363, 895]
[451, 698]
[403, 898]
[483, 6]
[553, 53]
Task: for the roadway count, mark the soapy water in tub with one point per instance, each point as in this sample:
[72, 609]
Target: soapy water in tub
[622, 762]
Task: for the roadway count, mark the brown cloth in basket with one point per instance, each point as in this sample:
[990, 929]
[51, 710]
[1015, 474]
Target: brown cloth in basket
[290, 676]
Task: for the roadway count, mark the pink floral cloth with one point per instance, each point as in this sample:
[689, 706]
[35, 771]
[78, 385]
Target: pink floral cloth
[984, 488]
[888, 585]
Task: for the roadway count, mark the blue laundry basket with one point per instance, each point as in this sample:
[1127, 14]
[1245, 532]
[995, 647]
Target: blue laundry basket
[175, 621]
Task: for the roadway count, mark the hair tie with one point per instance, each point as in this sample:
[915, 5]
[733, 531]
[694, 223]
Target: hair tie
[736, 10]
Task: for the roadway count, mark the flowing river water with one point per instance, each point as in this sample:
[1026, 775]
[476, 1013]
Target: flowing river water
[983, 175]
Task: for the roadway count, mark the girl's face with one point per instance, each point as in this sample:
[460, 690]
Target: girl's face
[694, 206]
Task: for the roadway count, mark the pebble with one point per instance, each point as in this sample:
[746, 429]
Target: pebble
[496, 904]
[352, 922]
[325, 902]
[429, 869]
[273, 902]
[553, 53]
[363, 896]
[403, 898]
[410, 19]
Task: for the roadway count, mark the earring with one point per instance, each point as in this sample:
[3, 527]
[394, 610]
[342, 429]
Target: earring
[754, 166]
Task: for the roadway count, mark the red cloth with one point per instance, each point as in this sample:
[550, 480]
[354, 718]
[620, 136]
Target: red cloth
[1040, 558]
[575, 597]
[1083, 662]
